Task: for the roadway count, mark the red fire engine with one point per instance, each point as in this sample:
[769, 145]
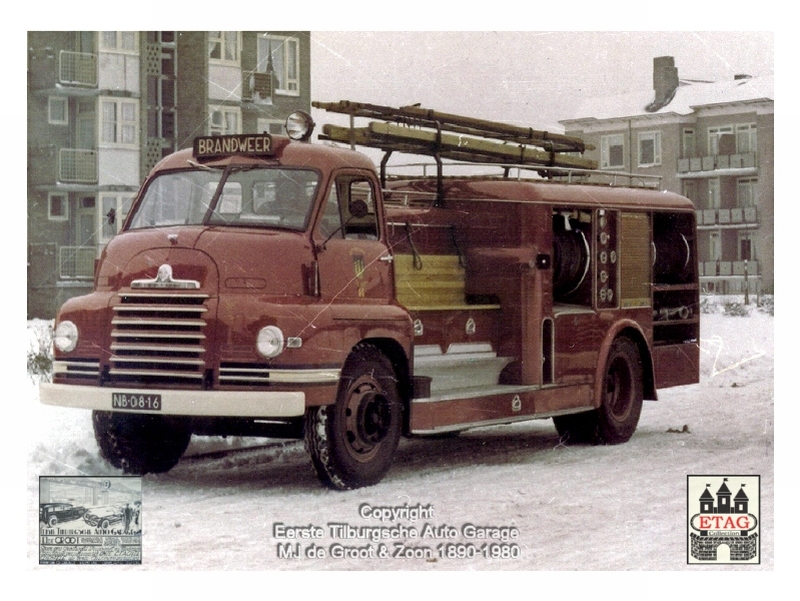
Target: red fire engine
[267, 286]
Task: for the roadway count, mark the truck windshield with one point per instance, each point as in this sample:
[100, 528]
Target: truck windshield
[274, 197]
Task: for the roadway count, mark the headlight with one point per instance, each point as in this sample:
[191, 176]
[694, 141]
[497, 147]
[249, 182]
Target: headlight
[66, 336]
[299, 126]
[270, 341]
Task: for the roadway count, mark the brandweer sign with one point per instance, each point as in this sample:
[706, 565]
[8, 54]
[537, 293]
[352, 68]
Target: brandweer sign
[213, 146]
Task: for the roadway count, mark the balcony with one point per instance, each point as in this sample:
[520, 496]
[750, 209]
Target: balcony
[76, 262]
[76, 166]
[77, 68]
[730, 277]
[736, 217]
[720, 162]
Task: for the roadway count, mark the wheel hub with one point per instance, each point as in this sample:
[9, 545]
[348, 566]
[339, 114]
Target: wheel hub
[373, 418]
[619, 390]
[368, 419]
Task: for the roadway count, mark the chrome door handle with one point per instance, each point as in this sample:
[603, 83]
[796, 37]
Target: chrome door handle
[387, 258]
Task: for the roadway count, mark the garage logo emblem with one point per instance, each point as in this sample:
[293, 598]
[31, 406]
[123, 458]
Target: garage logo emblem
[90, 520]
[723, 519]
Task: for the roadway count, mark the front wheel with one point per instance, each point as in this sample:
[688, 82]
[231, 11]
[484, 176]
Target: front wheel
[52, 521]
[352, 442]
[140, 444]
[615, 421]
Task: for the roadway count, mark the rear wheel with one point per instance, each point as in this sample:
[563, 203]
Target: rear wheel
[616, 419]
[352, 442]
[140, 444]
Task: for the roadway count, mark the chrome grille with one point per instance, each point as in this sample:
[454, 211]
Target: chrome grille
[158, 336]
[76, 369]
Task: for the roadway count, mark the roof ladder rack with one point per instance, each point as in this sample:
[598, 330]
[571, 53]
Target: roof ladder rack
[417, 130]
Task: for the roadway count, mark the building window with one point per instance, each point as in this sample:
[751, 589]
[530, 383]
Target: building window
[119, 41]
[119, 122]
[714, 247]
[690, 190]
[688, 143]
[612, 151]
[714, 196]
[57, 207]
[115, 209]
[57, 113]
[746, 192]
[223, 121]
[270, 126]
[223, 46]
[746, 138]
[649, 149]
[721, 140]
[281, 57]
[747, 247]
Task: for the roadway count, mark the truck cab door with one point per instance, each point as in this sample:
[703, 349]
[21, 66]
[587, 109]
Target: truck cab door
[354, 261]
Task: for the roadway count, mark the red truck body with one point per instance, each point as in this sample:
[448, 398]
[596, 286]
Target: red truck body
[352, 313]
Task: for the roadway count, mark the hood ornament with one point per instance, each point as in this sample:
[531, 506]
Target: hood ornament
[164, 279]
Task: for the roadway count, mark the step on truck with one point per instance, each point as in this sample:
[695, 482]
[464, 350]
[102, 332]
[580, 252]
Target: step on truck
[264, 285]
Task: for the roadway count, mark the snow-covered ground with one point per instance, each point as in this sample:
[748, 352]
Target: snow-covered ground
[575, 508]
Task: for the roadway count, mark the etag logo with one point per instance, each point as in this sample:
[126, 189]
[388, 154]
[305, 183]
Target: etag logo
[723, 519]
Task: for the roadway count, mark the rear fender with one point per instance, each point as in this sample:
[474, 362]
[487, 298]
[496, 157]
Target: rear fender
[632, 330]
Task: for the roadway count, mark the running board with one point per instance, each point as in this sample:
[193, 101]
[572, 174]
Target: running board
[463, 366]
[480, 406]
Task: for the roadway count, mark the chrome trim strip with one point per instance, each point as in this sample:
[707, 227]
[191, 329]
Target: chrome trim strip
[162, 308]
[282, 376]
[477, 392]
[119, 321]
[156, 334]
[156, 359]
[164, 294]
[156, 373]
[121, 346]
[78, 368]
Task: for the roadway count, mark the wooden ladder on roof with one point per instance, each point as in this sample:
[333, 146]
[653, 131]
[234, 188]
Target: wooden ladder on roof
[417, 130]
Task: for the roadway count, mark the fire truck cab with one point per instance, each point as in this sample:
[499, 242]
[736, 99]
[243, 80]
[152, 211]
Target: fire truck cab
[268, 286]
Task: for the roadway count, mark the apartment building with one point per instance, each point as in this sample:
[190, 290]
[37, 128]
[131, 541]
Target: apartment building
[711, 141]
[104, 107]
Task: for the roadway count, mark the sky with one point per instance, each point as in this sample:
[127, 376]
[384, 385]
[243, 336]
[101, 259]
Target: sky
[530, 78]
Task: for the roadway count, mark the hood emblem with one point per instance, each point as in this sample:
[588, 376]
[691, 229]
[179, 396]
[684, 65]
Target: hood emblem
[164, 279]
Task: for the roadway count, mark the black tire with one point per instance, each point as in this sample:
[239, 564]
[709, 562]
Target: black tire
[352, 442]
[104, 525]
[577, 428]
[52, 521]
[621, 401]
[140, 444]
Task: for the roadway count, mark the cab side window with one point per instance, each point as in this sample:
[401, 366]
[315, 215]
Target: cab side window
[360, 217]
[350, 210]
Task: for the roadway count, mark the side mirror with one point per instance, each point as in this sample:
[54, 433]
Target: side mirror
[358, 209]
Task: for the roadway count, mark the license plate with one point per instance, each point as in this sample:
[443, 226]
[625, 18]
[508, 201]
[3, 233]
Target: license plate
[136, 402]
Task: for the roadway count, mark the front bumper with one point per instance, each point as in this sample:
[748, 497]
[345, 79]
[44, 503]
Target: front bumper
[215, 403]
